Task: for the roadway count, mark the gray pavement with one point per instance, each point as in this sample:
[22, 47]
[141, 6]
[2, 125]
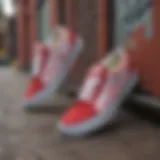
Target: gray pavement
[33, 136]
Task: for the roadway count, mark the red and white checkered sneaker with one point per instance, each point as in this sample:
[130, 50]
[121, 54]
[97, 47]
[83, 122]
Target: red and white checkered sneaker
[104, 89]
[51, 64]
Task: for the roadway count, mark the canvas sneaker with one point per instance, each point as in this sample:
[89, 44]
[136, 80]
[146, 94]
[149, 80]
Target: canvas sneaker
[39, 63]
[104, 89]
[52, 68]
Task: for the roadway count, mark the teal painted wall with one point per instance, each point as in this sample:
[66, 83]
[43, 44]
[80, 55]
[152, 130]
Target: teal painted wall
[43, 19]
[129, 15]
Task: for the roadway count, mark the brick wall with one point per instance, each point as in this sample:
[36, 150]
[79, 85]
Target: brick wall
[146, 54]
[86, 25]
[145, 57]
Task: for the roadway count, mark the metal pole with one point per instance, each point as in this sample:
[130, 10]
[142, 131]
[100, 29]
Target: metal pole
[146, 100]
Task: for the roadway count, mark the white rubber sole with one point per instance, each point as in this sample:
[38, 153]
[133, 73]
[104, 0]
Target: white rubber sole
[102, 119]
[46, 97]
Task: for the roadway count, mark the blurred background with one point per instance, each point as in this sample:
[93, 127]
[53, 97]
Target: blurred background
[33, 136]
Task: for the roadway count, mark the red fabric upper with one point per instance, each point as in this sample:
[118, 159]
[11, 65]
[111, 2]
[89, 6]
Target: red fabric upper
[34, 87]
[36, 84]
[79, 113]
[84, 110]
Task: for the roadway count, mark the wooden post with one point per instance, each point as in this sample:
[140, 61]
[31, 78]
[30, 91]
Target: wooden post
[102, 27]
[27, 31]
[70, 18]
[145, 54]
[33, 28]
[54, 13]
[21, 31]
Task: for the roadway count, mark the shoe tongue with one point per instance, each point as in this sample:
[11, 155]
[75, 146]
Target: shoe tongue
[114, 60]
[59, 41]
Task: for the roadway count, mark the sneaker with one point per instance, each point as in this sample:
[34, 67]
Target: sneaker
[105, 87]
[60, 57]
[39, 63]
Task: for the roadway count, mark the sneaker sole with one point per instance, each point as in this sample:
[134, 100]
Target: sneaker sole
[101, 120]
[46, 97]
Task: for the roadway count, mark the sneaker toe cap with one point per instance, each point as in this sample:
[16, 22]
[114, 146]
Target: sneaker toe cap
[78, 114]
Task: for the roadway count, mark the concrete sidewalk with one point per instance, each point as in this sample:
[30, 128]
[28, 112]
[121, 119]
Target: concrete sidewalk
[33, 136]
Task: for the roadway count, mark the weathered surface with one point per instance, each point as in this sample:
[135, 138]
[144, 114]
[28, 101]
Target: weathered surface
[26, 136]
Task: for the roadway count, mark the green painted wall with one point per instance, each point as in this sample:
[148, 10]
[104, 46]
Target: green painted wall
[129, 16]
[43, 18]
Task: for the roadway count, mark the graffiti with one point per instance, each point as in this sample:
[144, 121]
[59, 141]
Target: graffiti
[129, 16]
[137, 11]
